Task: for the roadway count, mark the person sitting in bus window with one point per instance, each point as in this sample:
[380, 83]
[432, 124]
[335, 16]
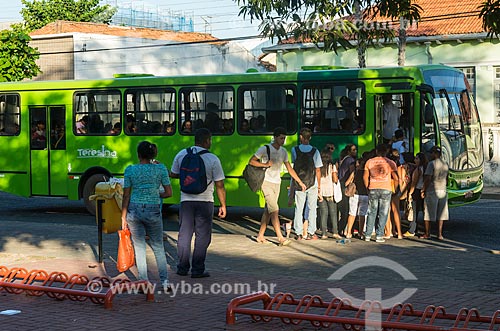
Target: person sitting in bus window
[227, 125]
[198, 124]
[130, 128]
[81, 125]
[391, 117]
[346, 125]
[39, 136]
[244, 126]
[187, 126]
[169, 128]
[256, 125]
[117, 128]
[290, 101]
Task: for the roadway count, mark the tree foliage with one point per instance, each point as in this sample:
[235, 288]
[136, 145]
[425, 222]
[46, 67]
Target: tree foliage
[490, 14]
[38, 13]
[330, 22]
[17, 58]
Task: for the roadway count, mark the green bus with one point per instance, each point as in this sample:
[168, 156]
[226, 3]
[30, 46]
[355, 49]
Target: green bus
[92, 127]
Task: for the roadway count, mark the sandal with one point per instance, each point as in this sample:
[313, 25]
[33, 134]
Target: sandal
[285, 242]
[262, 241]
[424, 236]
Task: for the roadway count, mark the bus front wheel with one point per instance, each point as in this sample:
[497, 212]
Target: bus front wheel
[89, 189]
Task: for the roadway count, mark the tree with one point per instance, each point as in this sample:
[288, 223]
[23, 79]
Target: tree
[490, 13]
[17, 58]
[319, 22]
[38, 13]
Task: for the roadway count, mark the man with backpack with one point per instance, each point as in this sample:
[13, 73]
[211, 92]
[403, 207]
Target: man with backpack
[272, 182]
[307, 165]
[199, 172]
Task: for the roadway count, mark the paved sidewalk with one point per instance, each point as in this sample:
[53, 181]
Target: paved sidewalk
[448, 273]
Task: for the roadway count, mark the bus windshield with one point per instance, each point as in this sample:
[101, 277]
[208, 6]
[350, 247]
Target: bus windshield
[457, 120]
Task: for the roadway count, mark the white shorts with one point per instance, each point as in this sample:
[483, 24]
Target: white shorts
[358, 205]
[436, 206]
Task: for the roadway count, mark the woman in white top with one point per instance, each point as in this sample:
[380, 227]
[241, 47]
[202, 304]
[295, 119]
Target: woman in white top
[326, 202]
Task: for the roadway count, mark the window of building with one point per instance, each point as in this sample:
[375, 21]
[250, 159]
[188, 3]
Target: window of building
[470, 74]
[207, 107]
[334, 108]
[496, 97]
[150, 112]
[262, 108]
[96, 112]
[10, 117]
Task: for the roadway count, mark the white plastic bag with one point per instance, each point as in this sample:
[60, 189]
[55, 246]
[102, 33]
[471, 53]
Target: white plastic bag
[337, 192]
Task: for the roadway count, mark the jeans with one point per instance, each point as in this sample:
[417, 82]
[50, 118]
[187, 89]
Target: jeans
[379, 203]
[328, 212]
[142, 220]
[195, 217]
[310, 196]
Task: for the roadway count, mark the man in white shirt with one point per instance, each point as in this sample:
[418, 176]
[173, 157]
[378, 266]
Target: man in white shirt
[272, 182]
[196, 211]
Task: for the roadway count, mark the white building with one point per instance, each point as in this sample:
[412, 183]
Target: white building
[79, 50]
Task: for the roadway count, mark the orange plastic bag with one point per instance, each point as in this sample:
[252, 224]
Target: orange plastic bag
[126, 256]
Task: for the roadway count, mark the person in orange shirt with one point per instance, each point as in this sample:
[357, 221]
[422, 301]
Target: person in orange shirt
[379, 174]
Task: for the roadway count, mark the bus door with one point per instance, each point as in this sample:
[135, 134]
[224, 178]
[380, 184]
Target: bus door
[395, 111]
[48, 150]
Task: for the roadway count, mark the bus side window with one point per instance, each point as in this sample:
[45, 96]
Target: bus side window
[265, 107]
[333, 108]
[150, 111]
[211, 107]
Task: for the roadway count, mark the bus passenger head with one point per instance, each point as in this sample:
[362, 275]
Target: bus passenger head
[399, 134]
[203, 138]
[146, 150]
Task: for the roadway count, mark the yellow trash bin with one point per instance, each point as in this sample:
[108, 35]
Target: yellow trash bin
[111, 213]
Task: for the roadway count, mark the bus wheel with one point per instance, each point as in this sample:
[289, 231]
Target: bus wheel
[89, 189]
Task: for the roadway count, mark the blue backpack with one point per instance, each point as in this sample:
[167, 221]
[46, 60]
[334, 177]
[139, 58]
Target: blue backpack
[193, 175]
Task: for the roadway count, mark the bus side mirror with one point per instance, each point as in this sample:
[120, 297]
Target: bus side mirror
[428, 114]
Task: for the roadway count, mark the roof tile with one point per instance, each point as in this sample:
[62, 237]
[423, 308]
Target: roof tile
[58, 27]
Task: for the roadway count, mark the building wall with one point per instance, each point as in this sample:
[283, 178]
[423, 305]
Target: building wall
[482, 56]
[57, 59]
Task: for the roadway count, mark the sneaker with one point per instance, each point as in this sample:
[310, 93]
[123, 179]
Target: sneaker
[367, 238]
[408, 234]
[380, 240]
